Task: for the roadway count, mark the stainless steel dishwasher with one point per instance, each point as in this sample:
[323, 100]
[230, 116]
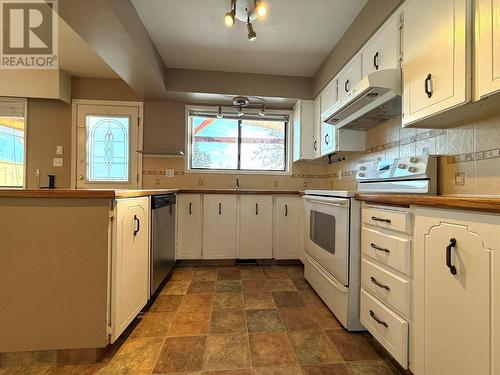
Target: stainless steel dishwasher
[162, 238]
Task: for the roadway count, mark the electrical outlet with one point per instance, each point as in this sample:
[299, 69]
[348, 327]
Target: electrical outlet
[59, 150]
[339, 175]
[157, 181]
[57, 162]
[460, 179]
[305, 184]
[169, 173]
[200, 182]
[275, 183]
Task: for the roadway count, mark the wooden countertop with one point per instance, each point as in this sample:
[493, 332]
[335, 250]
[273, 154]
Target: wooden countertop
[462, 202]
[125, 193]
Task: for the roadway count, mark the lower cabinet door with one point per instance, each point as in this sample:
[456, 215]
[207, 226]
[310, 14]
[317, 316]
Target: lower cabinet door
[256, 227]
[130, 263]
[219, 226]
[287, 219]
[189, 226]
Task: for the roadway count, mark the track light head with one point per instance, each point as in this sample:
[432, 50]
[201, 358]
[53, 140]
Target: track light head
[219, 113]
[240, 112]
[252, 35]
[229, 17]
[260, 7]
[262, 112]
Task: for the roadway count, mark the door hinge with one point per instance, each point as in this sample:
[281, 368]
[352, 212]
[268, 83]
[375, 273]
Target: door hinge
[137, 179]
[111, 215]
[401, 22]
[138, 121]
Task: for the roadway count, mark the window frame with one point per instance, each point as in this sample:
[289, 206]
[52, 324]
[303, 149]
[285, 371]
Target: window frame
[25, 156]
[189, 137]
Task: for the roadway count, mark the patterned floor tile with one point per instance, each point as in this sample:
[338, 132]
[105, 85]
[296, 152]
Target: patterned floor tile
[298, 318]
[275, 273]
[228, 301]
[264, 321]
[353, 346]
[176, 287]
[154, 324]
[262, 300]
[182, 274]
[181, 354]
[324, 317]
[333, 369]
[136, 356]
[277, 371]
[280, 285]
[199, 286]
[166, 303]
[231, 274]
[271, 350]
[204, 274]
[228, 321]
[288, 299]
[313, 347]
[190, 324]
[371, 368]
[224, 352]
[254, 285]
[196, 302]
[252, 273]
[228, 286]
[301, 284]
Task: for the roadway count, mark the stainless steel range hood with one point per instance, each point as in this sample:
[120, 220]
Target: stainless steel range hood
[375, 99]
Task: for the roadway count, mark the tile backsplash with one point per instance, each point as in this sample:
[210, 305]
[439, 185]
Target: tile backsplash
[469, 162]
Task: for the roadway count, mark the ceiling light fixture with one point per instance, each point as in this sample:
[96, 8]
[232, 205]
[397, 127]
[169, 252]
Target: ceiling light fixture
[219, 113]
[246, 11]
[252, 35]
[260, 7]
[262, 112]
[229, 17]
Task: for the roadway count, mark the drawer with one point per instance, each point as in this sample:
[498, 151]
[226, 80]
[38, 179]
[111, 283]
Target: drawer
[388, 328]
[390, 250]
[386, 286]
[387, 219]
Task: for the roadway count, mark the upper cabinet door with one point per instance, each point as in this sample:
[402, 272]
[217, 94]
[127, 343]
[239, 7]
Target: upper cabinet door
[349, 77]
[383, 50]
[327, 144]
[487, 47]
[303, 130]
[436, 57]
[329, 95]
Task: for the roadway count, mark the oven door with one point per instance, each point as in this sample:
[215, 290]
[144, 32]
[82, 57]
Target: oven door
[327, 234]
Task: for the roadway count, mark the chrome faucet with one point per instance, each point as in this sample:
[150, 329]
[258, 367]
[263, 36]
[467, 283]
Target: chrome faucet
[237, 183]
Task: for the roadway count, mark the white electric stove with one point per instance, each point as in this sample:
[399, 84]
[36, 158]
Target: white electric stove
[333, 229]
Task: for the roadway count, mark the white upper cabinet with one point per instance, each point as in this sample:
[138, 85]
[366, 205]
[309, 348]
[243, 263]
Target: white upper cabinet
[436, 58]
[329, 95]
[487, 47]
[382, 51]
[219, 226]
[189, 226]
[303, 131]
[349, 77]
[327, 139]
[256, 227]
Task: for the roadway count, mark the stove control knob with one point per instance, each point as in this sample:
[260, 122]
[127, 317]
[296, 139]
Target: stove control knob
[413, 160]
[361, 175]
[362, 168]
[401, 166]
[412, 169]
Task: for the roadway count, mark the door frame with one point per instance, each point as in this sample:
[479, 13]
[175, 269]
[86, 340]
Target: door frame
[74, 105]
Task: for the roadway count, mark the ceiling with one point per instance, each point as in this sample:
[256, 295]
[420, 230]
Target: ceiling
[294, 39]
[77, 58]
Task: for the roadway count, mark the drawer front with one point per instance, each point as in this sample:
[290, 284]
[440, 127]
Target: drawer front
[387, 219]
[386, 286]
[390, 250]
[388, 328]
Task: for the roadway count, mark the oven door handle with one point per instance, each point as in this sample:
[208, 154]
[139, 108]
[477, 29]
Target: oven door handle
[339, 202]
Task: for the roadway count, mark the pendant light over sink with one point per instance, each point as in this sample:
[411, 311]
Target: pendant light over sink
[246, 11]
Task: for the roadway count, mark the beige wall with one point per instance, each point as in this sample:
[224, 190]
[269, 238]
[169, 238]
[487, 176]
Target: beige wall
[373, 14]
[164, 126]
[470, 150]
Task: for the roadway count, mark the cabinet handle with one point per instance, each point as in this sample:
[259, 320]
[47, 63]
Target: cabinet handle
[136, 220]
[346, 86]
[380, 248]
[190, 208]
[381, 322]
[315, 145]
[453, 243]
[327, 140]
[220, 208]
[428, 85]
[286, 209]
[256, 208]
[374, 280]
[375, 61]
[374, 218]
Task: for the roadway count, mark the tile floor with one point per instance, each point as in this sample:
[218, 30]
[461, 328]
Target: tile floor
[235, 321]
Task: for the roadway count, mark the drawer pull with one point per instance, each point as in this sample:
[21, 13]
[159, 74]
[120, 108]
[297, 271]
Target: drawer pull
[379, 248]
[374, 218]
[453, 243]
[381, 322]
[374, 280]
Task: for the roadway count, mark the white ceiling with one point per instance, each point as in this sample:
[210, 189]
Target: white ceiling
[77, 58]
[294, 39]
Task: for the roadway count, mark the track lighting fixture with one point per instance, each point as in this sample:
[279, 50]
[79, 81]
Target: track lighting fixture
[240, 112]
[262, 112]
[246, 11]
[252, 35]
[219, 113]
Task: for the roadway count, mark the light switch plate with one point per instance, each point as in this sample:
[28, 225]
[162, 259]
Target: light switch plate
[339, 175]
[59, 150]
[57, 162]
[460, 179]
[169, 173]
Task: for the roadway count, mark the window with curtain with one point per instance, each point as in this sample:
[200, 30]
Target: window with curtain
[12, 142]
[247, 143]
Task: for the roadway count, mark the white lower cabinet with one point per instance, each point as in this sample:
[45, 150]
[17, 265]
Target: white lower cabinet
[220, 226]
[189, 226]
[288, 212]
[256, 227]
[130, 262]
[456, 284]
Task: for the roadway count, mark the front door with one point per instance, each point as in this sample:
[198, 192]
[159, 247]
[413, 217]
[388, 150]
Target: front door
[108, 137]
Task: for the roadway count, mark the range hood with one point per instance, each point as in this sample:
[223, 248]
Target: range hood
[375, 99]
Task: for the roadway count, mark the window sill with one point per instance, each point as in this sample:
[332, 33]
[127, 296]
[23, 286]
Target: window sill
[240, 172]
